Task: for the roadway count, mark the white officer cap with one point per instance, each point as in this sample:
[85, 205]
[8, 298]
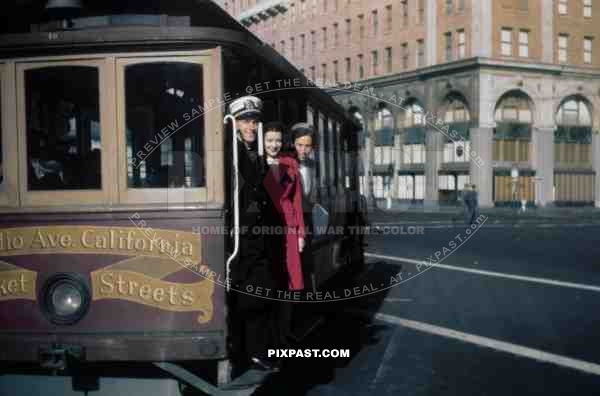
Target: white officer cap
[246, 107]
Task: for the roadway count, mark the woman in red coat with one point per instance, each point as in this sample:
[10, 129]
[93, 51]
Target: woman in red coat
[282, 183]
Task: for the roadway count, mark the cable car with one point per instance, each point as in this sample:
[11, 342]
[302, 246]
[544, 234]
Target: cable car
[115, 200]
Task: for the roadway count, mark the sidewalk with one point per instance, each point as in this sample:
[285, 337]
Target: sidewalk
[455, 215]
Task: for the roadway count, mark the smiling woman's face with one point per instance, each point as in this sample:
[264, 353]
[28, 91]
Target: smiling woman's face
[273, 143]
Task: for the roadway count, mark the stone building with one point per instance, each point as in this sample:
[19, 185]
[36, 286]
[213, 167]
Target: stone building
[481, 88]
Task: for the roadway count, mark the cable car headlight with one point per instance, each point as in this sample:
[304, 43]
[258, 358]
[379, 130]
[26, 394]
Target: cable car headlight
[65, 298]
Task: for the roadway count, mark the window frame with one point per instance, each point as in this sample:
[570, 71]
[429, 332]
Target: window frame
[213, 145]
[9, 193]
[588, 52]
[587, 9]
[565, 48]
[523, 45]
[563, 7]
[101, 196]
[504, 43]
[462, 43]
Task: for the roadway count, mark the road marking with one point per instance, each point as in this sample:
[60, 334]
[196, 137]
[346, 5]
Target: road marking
[503, 346]
[394, 300]
[490, 225]
[544, 281]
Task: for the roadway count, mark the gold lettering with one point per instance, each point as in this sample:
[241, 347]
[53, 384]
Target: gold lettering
[84, 241]
[107, 283]
[65, 241]
[22, 281]
[188, 297]
[38, 239]
[12, 286]
[187, 249]
[132, 287]
[145, 292]
[158, 295]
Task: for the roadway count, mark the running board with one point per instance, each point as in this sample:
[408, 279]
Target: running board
[307, 331]
[242, 386]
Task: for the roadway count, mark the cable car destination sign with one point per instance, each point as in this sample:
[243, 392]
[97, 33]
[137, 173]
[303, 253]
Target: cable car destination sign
[151, 256]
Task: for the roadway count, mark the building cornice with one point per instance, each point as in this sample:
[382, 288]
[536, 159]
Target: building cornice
[447, 69]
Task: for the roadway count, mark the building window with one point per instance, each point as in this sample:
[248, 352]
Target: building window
[461, 44]
[336, 39]
[448, 46]
[374, 62]
[361, 26]
[292, 47]
[375, 20]
[587, 50]
[506, 42]
[562, 7]
[303, 44]
[587, 8]
[404, 11]
[348, 69]
[405, 56]
[336, 76]
[292, 13]
[562, 47]
[324, 33]
[282, 47]
[421, 11]
[348, 30]
[312, 73]
[313, 40]
[523, 5]
[524, 43]
[388, 59]
[388, 18]
[361, 69]
[324, 72]
[420, 53]
[449, 7]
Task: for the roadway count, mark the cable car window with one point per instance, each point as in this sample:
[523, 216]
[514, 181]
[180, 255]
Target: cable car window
[63, 128]
[165, 128]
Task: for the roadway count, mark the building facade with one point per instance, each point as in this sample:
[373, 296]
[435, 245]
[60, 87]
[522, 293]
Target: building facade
[465, 91]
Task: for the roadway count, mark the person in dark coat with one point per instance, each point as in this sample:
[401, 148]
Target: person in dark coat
[468, 203]
[255, 322]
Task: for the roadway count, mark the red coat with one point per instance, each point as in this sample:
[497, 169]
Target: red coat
[282, 183]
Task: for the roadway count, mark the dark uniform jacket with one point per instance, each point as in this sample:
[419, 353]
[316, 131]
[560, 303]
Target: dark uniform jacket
[254, 204]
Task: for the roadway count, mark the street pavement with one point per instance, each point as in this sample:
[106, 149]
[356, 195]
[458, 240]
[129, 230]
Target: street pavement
[507, 311]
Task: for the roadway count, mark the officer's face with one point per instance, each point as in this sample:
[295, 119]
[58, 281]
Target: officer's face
[247, 128]
[303, 146]
[273, 143]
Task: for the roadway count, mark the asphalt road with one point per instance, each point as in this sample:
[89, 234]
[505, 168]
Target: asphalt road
[511, 311]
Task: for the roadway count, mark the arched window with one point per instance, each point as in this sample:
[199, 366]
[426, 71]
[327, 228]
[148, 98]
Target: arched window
[456, 111]
[413, 115]
[384, 140]
[574, 111]
[512, 135]
[457, 141]
[573, 134]
[514, 107]
[412, 120]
